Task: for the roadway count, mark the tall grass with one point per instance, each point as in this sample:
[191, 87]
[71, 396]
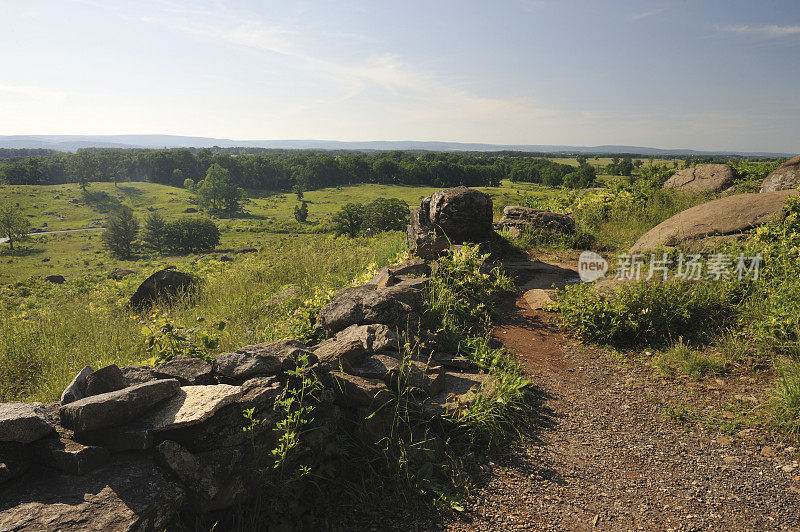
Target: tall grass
[49, 332]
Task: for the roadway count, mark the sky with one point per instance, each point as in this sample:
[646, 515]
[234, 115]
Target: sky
[709, 75]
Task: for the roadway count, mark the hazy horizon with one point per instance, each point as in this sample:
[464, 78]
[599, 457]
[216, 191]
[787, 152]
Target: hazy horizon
[675, 75]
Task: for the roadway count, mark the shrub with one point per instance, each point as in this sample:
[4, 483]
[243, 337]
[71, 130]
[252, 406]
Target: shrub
[188, 235]
[386, 214]
[349, 220]
[154, 232]
[120, 234]
[301, 212]
[650, 312]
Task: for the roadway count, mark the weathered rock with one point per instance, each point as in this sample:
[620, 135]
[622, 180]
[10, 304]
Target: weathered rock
[396, 306]
[287, 294]
[723, 216]
[188, 371]
[450, 360]
[460, 390]
[15, 459]
[352, 343]
[785, 177]
[104, 380]
[120, 273]
[23, 422]
[190, 406]
[70, 456]
[116, 408]
[163, 284]
[453, 215]
[420, 377]
[77, 388]
[226, 427]
[119, 439]
[129, 494]
[262, 359]
[357, 391]
[538, 298]
[138, 375]
[375, 366]
[527, 219]
[703, 178]
[204, 475]
[55, 279]
[392, 275]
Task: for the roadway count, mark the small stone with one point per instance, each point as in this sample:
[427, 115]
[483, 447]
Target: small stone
[788, 468]
[70, 456]
[767, 451]
[77, 388]
[23, 422]
[188, 371]
[104, 380]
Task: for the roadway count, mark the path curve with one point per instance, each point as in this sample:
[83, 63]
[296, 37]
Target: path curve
[603, 458]
[4, 240]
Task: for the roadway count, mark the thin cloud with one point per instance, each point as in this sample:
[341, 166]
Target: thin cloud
[767, 30]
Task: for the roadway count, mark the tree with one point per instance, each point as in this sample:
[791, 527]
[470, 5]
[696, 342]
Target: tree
[121, 232]
[154, 233]
[385, 214]
[301, 212]
[582, 178]
[218, 192]
[187, 235]
[348, 221]
[298, 190]
[13, 224]
[188, 184]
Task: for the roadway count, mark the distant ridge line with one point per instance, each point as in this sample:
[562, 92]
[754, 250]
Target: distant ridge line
[75, 142]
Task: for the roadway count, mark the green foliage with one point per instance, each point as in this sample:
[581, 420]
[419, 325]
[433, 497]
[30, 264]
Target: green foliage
[349, 219]
[189, 184]
[301, 212]
[13, 223]
[218, 192]
[164, 340]
[583, 177]
[785, 400]
[121, 231]
[189, 235]
[154, 233]
[386, 214]
[650, 312]
[680, 357]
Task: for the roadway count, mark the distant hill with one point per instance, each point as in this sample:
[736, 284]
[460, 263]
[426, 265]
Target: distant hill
[75, 142]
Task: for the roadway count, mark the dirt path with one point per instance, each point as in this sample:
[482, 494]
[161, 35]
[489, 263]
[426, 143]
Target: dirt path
[604, 458]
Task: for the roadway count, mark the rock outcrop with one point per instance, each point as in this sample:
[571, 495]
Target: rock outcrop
[450, 216]
[521, 219]
[703, 178]
[785, 177]
[720, 217]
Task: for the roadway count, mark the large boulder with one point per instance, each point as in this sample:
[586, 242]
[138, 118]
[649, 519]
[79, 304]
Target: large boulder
[77, 388]
[116, 408]
[104, 380]
[703, 178]
[23, 422]
[189, 371]
[349, 345]
[785, 177]
[519, 219]
[128, 494]
[450, 216]
[163, 284]
[723, 216]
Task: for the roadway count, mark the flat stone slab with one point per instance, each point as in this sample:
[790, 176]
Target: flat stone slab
[190, 406]
[188, 371]
[23, 422]
[261, 359]
[126, 495]
[116, 408]
[538, 298]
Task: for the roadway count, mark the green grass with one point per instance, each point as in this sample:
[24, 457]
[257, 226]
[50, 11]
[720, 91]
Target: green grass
[49, 332]
[683, 359]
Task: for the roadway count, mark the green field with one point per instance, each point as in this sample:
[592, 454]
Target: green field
[266, 217]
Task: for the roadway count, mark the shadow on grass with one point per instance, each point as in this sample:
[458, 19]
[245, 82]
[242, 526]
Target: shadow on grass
[101, 202]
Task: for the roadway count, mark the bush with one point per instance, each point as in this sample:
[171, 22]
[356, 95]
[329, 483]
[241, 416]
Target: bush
[155, 232]
[650, 312]
[301, 212]
[121, 232]
[349, 220]
[188, 235]
[386, 214]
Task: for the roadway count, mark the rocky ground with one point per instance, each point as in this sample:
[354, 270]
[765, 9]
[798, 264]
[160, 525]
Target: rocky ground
[603, 456]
